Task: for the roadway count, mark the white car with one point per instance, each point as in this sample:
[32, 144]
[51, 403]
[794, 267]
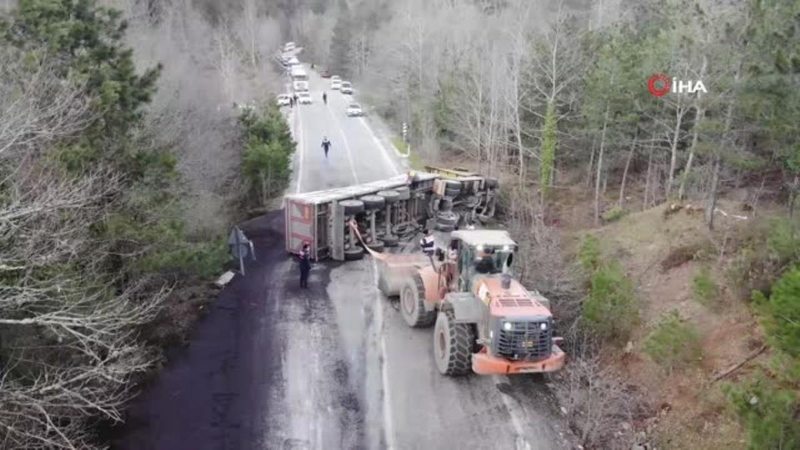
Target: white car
[335, 83]
[354, 110]
[284, 100]
[289, 46]
[300, 85]
[346, 87]
[293, 61]
[304, 98]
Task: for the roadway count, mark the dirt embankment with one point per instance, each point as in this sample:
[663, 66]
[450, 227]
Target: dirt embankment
[669, 254]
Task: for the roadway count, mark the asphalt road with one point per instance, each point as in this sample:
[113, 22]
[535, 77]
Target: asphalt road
[332, 367]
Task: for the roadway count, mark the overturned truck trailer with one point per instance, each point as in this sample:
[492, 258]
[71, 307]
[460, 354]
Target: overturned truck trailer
[386, 211]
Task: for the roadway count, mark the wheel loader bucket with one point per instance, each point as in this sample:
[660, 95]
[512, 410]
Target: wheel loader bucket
[394, 269]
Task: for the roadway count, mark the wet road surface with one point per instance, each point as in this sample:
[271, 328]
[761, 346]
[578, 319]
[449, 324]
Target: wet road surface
[276, 367]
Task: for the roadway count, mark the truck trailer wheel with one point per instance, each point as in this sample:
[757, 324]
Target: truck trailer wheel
[390, 241]
[412, 306]
[403, 193]
[353, 253]
[377, 246]
[373, 202]
[450, 192]
[389, 196]
[452, 345]
[352, 207]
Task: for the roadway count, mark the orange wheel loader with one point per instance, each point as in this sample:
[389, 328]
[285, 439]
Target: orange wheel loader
[484, 321]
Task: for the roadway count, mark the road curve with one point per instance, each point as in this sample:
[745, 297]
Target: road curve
[276, 367]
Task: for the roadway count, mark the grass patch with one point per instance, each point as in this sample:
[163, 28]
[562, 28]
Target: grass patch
[679, 256]
[614, 214]
[704, 289]
[589, 253]
[673, 344]
[757, 266]
[611, 311]
[414, 158]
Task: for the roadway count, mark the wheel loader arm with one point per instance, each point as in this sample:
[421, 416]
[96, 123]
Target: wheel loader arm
[467, 308]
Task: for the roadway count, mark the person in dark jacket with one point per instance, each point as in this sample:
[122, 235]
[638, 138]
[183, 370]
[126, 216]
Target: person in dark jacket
[305, 265]
[326, 146]
[485, 264]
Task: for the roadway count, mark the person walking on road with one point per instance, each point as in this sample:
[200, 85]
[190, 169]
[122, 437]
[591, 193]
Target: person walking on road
[305, 265]
[295, 98]
[326, 145]
[324, 97]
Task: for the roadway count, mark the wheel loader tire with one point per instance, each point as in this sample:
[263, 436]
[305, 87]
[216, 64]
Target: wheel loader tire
[353, 253]
[412, 304]
[446, 204]
[389, 196]
[452, 184]
[447, 218]
[451, 192]
[403, 193]
[352, 207]
[373, 202]
[452, 345]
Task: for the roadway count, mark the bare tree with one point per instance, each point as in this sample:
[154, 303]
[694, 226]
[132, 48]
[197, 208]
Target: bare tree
[599, 405]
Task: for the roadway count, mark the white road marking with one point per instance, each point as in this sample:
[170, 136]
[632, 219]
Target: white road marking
[384, 152]
[346, 147]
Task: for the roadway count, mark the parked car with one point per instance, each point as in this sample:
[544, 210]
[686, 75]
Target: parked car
[336, 82]
[325, 73]
[304, 98]
[346, 87]
[354, 110]
[293, 61]
[289, 46]
[284, 100]
[300, 85]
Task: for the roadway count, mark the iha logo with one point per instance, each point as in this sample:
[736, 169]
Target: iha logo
[660, 84]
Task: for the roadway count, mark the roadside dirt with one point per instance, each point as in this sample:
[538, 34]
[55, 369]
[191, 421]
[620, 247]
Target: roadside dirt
[662, 255]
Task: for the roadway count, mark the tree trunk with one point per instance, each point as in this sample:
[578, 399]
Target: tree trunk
[599, 170]
[698, 119]
[648, 177]
[692, 148]
[674, 151]
[263, 188]
[625, 172]
[712, 198]
[590, 172]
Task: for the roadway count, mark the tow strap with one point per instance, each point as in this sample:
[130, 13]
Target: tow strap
[377, 255]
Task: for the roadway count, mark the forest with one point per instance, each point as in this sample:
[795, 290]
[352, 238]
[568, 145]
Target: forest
[602, 169]
[124, 161]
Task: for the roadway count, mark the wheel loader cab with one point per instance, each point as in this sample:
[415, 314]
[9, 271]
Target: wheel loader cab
[475, 260]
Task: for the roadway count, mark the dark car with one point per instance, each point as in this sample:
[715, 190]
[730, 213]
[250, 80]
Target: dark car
[325, 73]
